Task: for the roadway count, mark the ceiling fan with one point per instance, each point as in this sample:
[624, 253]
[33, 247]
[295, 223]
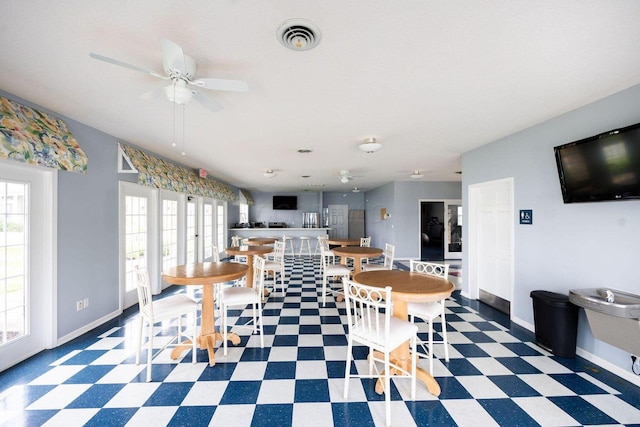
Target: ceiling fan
[345, 176]
[180, 69]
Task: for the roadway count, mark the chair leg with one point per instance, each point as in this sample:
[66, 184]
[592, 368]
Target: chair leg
[224, 328]
[194, 337]
[431, 346]
[387, 390]
[261, 328]
[324, 290]
[347, 370]
[139, 349]
[150, 353]
[444, 333]
[414, 362]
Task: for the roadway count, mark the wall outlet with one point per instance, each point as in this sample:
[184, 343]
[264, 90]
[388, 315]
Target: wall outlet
[78, 305]
[85, 303]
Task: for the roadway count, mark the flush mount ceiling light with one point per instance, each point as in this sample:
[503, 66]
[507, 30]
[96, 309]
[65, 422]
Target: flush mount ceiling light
[355, 190]
[370, 145]
[416, 175]
[298, 34]
[269, 173]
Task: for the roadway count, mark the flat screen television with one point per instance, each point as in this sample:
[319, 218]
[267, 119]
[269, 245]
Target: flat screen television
[602, 167]
[287, 203]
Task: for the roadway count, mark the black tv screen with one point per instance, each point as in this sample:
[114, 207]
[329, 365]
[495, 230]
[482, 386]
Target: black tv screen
[601, 167]
[288, 203]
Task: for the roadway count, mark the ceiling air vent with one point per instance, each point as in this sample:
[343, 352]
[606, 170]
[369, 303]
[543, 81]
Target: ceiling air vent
[298, 34]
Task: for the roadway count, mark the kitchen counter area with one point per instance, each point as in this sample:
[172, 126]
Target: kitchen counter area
[295, 233]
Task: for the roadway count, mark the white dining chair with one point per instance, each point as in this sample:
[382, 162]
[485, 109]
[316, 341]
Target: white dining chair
[276, 264]
[323, 243]
[162, 310]
[331, 270]
[244, 296]
[429, 311]
[371, 323]
[388, 254]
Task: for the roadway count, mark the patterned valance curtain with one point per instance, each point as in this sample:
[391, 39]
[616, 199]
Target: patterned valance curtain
[30, 136]
[247, 198]
[159, 173]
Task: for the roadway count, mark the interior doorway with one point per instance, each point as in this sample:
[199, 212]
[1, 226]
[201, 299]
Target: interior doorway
[440, 230]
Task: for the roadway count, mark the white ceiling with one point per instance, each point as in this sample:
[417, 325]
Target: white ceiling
[429, 79]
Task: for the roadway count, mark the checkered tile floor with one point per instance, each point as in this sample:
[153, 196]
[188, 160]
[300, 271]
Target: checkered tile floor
[496, 376]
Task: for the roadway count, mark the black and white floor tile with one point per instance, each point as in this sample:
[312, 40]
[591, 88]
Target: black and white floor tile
[496, 375]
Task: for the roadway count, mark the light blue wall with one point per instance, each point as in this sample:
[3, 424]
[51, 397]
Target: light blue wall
[569, 246]
[354, 200]
[262, 211]
[87, 233]
[401, 200]
[406, 211]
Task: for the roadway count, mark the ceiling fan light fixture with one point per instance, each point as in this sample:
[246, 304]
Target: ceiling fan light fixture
[344, 179]
[370, 145]
[269, 173]
[178, 93]
[416, 175]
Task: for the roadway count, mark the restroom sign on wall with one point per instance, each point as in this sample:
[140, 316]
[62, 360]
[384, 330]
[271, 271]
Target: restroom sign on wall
[526, 216]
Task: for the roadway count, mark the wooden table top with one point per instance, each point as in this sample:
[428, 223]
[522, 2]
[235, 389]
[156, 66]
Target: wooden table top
[357, 251]
[408, 286]
[249, 250]
[261, 241]
[204, 273]
[344, 242]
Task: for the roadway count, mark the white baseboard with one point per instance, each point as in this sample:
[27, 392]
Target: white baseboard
[87, 328]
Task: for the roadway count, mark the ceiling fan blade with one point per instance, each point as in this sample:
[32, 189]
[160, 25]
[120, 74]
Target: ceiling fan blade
[207, 102]
[222, 84]
[173, 56]
[125, 65]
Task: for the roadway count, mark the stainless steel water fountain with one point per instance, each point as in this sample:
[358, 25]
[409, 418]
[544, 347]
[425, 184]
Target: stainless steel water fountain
[613, 315]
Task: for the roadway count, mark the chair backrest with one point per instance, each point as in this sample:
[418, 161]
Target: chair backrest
[389, 253]
[215, 257]
[236, 241]
[431, 268]
[365, 242]
[324, 242]
[258, 274]
[145, 297]
[278, 252]
[368, 312]
[323, 257]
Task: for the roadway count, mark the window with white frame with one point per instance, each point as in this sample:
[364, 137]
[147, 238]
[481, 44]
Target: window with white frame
[221, 219]
[244, 213]
[169, 233]
[207, 231]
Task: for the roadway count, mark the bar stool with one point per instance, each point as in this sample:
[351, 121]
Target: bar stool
[319, 243]
[305, 244]
[289, 239]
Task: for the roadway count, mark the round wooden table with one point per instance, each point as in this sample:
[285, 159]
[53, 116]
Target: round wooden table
[357, 253]
[408, 287]
[261, 241]
[249, 251]
[344, 242]
[205, 274]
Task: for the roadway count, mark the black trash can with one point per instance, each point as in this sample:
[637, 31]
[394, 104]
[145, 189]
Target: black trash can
[556, 322]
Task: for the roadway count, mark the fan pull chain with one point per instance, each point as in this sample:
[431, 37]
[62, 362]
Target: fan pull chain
[173, 144]
[184, 125]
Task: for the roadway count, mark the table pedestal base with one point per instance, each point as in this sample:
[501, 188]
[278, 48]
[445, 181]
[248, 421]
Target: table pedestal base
[206, 342]
[421, 374]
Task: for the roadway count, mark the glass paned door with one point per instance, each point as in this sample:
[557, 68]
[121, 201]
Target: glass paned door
[169, 234]
[453, 241]
[207, 230]
[221, 220]
[27, 291]
[135, 239]
[14, 260]
[192, 231]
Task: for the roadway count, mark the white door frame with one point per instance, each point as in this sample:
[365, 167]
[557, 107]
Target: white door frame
[46, 255]
[472, 234]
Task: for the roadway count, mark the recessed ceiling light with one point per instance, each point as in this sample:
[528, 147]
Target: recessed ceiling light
[416, 175]
[304, 151]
